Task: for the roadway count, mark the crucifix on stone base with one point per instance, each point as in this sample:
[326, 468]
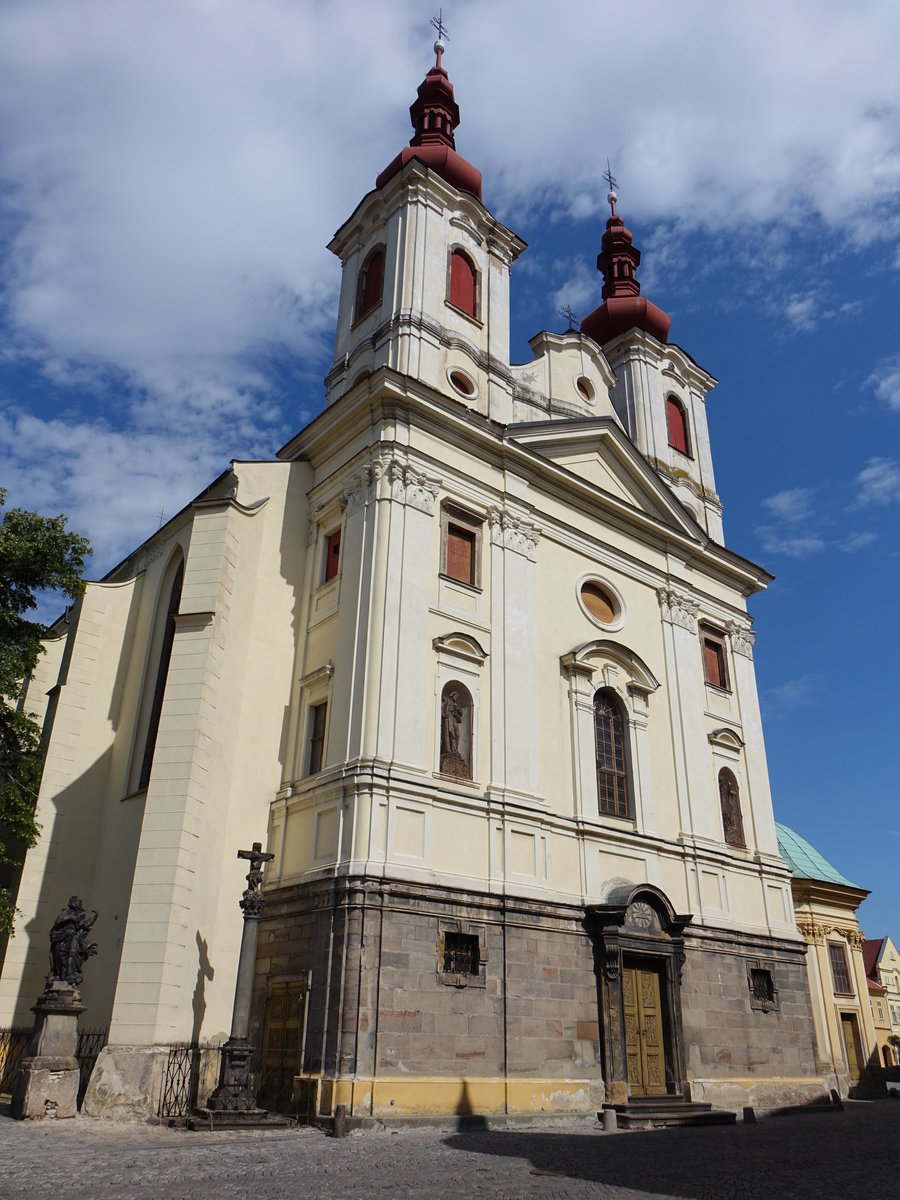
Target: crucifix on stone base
[233, 1096]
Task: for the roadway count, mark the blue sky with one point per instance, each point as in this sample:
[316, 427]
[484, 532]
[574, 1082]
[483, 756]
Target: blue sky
[170, 175]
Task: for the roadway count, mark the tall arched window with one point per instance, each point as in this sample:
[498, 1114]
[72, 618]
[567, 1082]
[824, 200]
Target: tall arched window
[162, 672]
[676, 419]
[463, 293]
[729, 798]
[370, 285]
[456, 730]
[612, 769]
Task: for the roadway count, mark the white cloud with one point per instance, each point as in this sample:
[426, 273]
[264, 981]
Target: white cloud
[803, 311]
[793, 504]
[793, 692]
[173, 171]
[791, 544]
[855, 542]
[885, 379]
[878, 482]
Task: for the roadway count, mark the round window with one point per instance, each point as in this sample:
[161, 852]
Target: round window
[585, 388]
[463, 384]
[599, 603]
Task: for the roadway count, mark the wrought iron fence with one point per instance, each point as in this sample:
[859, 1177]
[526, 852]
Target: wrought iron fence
[13, 1044]
[192, 1072]
[90, 1043]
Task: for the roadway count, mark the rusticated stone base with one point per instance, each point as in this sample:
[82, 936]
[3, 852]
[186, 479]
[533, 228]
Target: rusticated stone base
[391, 1028]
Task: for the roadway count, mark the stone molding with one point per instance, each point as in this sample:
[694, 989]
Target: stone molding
[678, 609]
[514, 533]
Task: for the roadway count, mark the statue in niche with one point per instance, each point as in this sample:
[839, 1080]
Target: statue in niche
[456, 709]
[69, 945]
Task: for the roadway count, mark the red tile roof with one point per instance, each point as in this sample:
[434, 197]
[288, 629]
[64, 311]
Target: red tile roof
[871, 949]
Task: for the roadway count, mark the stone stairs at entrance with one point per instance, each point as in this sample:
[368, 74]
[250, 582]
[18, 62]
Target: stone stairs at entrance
[658, 1112]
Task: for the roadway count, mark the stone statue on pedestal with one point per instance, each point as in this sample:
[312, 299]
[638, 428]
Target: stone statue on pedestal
[47, 1085]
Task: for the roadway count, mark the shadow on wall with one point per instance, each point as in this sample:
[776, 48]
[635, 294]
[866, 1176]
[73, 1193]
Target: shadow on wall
[205, 970]
[466, 1117]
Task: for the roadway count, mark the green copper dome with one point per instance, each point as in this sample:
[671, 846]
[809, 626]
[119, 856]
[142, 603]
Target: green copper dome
[805, 861]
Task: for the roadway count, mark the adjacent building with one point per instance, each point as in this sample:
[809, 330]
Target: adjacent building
[882, 964]
[825, 904]
[472, 654]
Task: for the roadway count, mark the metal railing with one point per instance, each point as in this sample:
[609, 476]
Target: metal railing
[191, 1074]
[14, 1045]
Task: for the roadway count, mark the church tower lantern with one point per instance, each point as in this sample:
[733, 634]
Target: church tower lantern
[425, 284]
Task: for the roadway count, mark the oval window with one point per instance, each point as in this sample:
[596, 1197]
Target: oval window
[585, 388]
[463, 384]
[598, 602]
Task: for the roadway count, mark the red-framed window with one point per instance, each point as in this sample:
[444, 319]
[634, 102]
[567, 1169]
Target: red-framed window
[463, 282]
[676, 420]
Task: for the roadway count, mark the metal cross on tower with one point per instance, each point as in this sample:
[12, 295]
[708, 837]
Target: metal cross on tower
[570, 316]
[611, 180]
[439, 25]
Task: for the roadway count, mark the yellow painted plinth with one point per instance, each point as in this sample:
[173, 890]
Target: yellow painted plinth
[435, 1096]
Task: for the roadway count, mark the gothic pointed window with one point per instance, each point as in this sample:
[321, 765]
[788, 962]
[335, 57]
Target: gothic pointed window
[612, 772]
[463, 280]
[370, 285]
[162, 673]
[676, 420]
[730, 800]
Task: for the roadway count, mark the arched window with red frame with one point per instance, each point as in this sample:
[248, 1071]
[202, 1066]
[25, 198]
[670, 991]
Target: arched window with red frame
[370, 286]
[463, 281]
[676, 419]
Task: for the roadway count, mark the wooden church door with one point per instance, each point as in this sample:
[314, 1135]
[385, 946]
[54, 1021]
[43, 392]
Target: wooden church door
[644, 1044]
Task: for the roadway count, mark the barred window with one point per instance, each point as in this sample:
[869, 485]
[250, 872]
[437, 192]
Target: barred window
[461, 956]
[612, 774]
[761, 986]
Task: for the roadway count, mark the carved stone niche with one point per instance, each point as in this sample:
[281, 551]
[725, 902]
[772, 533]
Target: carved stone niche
[637, 930]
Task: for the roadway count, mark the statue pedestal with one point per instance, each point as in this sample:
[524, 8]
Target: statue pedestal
[48, 1079]
[232, 1105]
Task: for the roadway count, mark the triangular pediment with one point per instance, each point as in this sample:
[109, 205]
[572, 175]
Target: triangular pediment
[597, 451]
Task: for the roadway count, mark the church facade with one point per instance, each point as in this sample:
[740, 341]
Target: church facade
[472, 655]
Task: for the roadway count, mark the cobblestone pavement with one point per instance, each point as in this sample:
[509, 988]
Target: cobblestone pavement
[841, 1155]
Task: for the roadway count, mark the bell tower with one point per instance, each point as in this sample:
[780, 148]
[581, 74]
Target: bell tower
[660, 392]
[425, 285]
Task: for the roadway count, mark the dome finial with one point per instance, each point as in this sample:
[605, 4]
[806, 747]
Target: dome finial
[442, 36]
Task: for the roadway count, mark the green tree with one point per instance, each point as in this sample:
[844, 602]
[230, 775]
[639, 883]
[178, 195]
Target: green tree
[37, 554]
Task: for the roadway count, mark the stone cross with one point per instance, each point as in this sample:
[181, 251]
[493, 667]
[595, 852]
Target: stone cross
[233, 1094]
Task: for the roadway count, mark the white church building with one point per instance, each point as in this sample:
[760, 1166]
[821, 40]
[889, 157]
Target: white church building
[471, 657]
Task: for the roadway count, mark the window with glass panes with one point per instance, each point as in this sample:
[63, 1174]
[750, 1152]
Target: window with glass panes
[840, 974]
[612, 776]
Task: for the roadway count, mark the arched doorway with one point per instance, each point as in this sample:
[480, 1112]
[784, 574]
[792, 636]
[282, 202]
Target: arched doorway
[638, 958]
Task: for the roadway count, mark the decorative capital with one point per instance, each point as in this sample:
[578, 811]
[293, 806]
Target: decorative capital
[678, 609]
[742, 639]
[514, 533]
[359, 490]
[413, 487]
[812, 933]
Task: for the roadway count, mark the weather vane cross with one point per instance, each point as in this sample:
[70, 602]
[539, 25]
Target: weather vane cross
[609, 177]
[611, 181]
[438, 23]
[570, 316]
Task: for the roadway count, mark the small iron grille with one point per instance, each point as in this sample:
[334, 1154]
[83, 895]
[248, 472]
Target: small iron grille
[90, 1043]
[761, 986]
[461, 955]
